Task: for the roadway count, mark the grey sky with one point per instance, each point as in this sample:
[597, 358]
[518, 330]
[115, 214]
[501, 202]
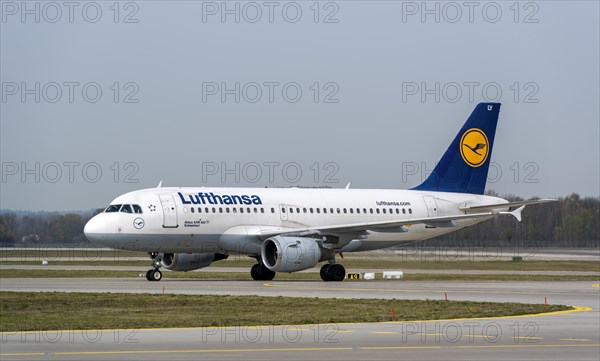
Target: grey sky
[546, 64]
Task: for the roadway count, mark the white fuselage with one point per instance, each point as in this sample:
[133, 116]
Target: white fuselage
[227, 220]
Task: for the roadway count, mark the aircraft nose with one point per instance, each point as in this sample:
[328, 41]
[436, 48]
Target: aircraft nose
[95, 229]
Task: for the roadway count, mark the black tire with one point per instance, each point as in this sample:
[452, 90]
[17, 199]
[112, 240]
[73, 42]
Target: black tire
[254, 272]
[261, 273]
[265, 273]
[336, 272]
[156, 275]
[324, 274]
[148, 275]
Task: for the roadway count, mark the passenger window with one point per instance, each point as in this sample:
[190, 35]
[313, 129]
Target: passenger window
[191, 209]
[220, 209]
[227, 209]
[377, 210]
[272, 210]
[345, 210]
[282, 210]
[371, 210]
[403, 210]
[311, 210]
[206, 210]
[397, 211]
[233, 209]
[410, 210]
[126, 208]
[262, 210]
[330, 210]
[324, 210]
[304, 210]
[241, 210]
[291, 210]
[338, 210]
[248, 209]
[384, 211]
[214, 210]
[255, 210]
[297, 210]
[113, 208]
[137, 209]
[358, 210]
[318, 210]
[364, 210]
[351, 210]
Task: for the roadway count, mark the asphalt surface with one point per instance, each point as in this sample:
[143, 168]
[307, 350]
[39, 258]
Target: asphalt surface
[560, 336]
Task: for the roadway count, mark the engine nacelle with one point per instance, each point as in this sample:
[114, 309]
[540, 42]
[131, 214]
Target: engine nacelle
[291, 254]
[189, 261]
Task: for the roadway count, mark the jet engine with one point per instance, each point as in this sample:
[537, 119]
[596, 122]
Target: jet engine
[190, 261]
[291, 254]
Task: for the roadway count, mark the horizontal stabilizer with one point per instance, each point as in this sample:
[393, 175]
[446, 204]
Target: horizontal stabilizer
[510, 205]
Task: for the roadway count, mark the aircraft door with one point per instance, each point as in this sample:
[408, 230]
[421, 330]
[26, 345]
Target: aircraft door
[283, 212]
[169, 211]
[431, 204]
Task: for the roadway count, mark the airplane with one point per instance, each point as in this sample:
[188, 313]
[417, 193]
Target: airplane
[293, 229]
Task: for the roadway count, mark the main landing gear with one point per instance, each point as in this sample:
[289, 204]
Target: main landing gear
[333, 272]
[154, 274]
[260, 272]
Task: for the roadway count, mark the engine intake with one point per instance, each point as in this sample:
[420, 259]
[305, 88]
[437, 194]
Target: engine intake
[291, 254]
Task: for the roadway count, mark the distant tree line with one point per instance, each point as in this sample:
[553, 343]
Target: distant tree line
[34, 229]
[571, 222]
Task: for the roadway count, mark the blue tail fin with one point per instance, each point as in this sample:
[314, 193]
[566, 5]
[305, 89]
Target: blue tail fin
[464, 166]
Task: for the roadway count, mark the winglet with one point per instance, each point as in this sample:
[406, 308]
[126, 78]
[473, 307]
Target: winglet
[159, 184]
[347, 186]
[516, 213]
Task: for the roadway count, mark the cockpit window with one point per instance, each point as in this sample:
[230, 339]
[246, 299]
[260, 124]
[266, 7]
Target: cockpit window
[113, 208]
[137, 208]
[126, 208]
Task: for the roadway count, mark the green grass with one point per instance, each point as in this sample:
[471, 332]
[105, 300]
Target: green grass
[245, 276]
[453, 259]
[22, 311]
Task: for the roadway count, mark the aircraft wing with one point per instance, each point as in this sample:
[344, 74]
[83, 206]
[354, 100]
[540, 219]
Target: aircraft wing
[384, 226]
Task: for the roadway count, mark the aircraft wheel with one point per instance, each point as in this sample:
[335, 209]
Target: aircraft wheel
[156, 275]
[261, 273]
[324, 274]
[336, 272]
[149, 275]
[254, 272]
[265, 273]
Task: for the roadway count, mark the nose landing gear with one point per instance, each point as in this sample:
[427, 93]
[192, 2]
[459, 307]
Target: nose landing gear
[155, 274]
